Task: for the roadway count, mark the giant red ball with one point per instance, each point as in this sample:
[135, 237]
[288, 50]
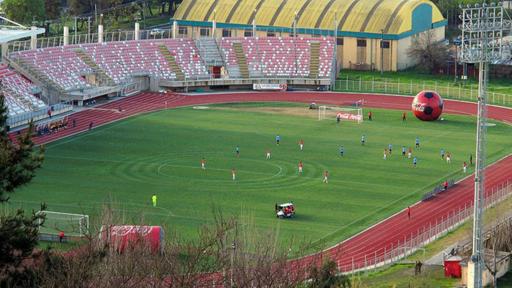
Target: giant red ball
[427, 106]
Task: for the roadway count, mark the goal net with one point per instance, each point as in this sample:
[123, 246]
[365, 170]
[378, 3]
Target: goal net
[71, 224]
[344, 113]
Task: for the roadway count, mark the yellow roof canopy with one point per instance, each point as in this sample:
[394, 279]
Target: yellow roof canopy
[358, 16]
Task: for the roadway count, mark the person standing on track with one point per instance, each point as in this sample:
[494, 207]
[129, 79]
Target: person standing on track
[409, 212]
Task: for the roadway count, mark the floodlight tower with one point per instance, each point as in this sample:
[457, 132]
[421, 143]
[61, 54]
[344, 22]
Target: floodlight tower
[482, 28]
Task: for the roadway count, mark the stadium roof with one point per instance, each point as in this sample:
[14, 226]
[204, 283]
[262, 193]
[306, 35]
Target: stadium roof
[357, 18]
[10, 30]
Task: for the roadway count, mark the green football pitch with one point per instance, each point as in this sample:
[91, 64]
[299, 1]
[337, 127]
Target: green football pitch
[126, 162]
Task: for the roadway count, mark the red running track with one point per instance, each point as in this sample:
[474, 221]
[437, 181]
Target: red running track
[371, 242]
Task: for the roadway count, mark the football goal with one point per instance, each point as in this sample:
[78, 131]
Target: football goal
[344, 113]
[76, 225]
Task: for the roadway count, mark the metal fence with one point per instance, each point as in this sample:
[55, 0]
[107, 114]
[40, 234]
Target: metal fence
[397, 87]
[424, 235]
[25, 118]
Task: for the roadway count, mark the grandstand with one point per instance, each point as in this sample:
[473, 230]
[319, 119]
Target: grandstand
[370, 34]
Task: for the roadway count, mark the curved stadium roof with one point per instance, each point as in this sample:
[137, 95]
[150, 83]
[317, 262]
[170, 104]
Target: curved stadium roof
[359, 17]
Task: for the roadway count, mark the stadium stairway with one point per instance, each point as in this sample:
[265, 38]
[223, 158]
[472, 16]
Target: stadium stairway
[241, 59]
[172, 62]
[314, 57]
[102, 77]
[209, 51]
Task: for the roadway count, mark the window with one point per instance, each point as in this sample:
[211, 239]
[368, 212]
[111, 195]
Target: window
[271, 34]
[384, 44]
[204, 32]
[226, 33]
[182, 30]
[361, 43]
[248, 33]
[339, 41]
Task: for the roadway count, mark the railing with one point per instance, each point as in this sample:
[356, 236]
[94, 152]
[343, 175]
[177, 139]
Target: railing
[458, 92]
[25, 118]
[17, 46]
[424, 235]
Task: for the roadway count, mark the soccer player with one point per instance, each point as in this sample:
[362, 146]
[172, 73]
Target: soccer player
[417, 142]
[301, 144]
[237, 151]
[403, 151]
[409, 153]
[414, 162]
[363, 139]
[301, 166]
[268, 154]
[153, 199]
[448, 157]
[471, 159]
[385, 154]
[326, 176]
[233, 173]
[404, 116]
[278, 139]
[390, 148]
[338, 118]
[342, 150]
[370, 115]
[203, 164]
[465, 167]
[442, 153]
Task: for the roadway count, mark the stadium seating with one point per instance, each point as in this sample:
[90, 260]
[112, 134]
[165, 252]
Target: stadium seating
[119, 60]
[60, 64]
[18, 92]
[280, 56]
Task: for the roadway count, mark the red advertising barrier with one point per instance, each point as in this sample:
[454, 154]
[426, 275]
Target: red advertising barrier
[121, 237]
[348, 116]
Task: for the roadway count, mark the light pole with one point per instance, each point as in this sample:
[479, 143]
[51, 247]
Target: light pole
[381, 52]
[482, 31]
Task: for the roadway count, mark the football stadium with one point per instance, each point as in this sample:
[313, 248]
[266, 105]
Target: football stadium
[231, 111]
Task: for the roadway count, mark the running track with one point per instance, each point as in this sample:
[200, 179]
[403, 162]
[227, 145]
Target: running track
[376, 239]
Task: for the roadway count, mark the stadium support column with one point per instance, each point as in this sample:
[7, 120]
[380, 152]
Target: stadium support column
[33, 39]
[66, 35]
[100, 33]
[174, 28]
[253, 27]
[214, 23]
[137, 31]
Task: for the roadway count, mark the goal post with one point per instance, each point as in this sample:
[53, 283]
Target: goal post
[344, 113]
[76, 225]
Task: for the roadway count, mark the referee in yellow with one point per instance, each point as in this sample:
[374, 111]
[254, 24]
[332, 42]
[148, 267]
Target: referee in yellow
[153, 200]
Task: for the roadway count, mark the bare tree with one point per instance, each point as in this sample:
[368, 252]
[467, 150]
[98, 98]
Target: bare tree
[428, 52]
